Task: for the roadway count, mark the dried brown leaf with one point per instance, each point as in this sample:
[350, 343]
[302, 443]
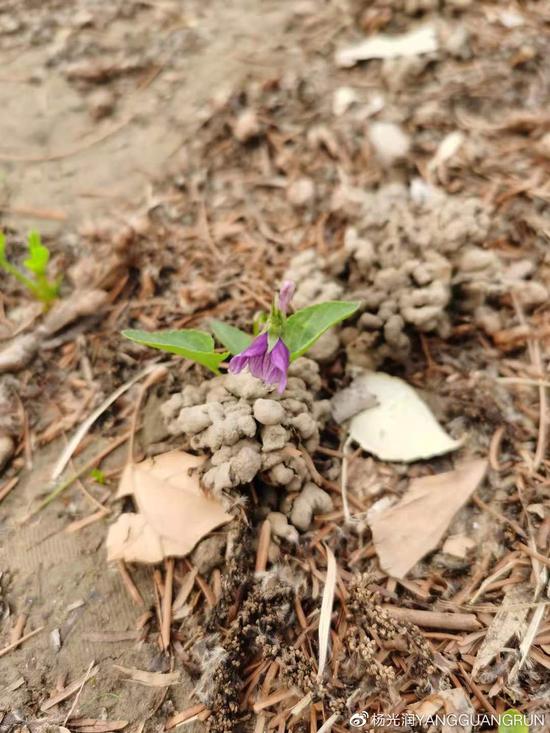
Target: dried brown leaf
[406, 532]
[446, 703]
[174, 513]
[149, 679]
[93, 725]
[508, 621]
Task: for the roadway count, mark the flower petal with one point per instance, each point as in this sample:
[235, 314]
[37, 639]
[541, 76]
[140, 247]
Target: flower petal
[280, 356]
[252, 353]
[285, 295]
[257, 347]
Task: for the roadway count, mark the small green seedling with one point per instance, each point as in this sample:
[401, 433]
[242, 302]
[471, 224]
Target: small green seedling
[97, 475]
[36, 264]
[512, 721]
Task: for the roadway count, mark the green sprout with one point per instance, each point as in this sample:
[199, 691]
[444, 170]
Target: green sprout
[97, 475]
[36, 264]
[512, 721]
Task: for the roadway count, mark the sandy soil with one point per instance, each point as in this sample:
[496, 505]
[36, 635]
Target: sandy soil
[99, 99]
[154, 66]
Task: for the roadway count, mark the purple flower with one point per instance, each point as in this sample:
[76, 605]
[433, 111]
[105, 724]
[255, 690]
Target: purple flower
[285, 295]
[270, 366]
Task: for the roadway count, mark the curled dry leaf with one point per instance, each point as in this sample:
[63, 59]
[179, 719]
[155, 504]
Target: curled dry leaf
[149, 679]
[508, 621]
[447, 703]
[458, 545]
[406, 532]
[174, 513]
[401, 427]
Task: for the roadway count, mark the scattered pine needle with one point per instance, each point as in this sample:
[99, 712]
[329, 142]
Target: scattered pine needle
[15, 644]
[326, 611]
[72, 445]
[184, 716]
[7, 487]
[129, 583]
[167, 603]
[263, 546]
[64, 485]
[327, 725]
[75, 701]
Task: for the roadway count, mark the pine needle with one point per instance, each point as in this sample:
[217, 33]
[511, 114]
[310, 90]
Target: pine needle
[327, 725]
[326, 611]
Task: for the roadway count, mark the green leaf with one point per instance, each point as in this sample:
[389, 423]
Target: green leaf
[512, 721]
[232, 338]
[194, 345]
[39, 255]
[305, 326]
[97, 475]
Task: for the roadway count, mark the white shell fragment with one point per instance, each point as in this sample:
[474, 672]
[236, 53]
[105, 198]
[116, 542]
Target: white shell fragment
[401, 427]
[421, 40]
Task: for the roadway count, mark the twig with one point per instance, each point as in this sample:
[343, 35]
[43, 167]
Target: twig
[17, 631]
[533, 553]
[344, 479]
[477, 692]
[273, 699]
[436, 619]
[65, 457]
[47, 214]
[528, 640]
[67, 692]
[167, 603]
[75, 702]
[185, 715]
[494, 448]
[263, 546]
[185, 590]
[61, 487]
[129, 583]
[327, 725]
[6, 157]
[15, 644]
[7, 487]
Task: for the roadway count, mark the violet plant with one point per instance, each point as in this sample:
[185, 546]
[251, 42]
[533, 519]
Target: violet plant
[266, 354]
[36, 264]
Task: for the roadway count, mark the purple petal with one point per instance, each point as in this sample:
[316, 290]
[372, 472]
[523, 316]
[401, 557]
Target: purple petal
[282, 384]
[285, 295]
[254, 351]
[280, 356]
[237, 364]
[257, 347]
[256, 366]
[270, 366]
[279, 361]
